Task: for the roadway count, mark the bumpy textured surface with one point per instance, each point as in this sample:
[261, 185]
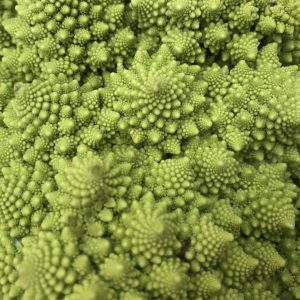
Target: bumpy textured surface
[149, 149]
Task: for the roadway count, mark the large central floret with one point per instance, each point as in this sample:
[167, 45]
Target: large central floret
[156, 97]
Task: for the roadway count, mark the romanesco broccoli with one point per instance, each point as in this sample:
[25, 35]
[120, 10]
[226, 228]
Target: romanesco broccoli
[149, 149]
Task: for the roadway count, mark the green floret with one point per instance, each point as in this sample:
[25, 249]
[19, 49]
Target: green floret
[269, 260]
[215, 166]
[243, 16]
[207, 285]
[153, 96]
[208, 242]
[149, 149]
[290, 273]
[184, 45]
[257, 291]
[149, 13]
[184, 13]
[120, 272]
[226, 216]
[169, 280]
[22, 199]
[229, 294]
[242, 47]
[211, 10]
[216, 35]
[148, 231]
[99, 55]
[41, 102]
[237, 266]
[92, 288]
[133, 295]
[269, 214]
[173, 178]
[49, 269]
[10, 256]
[89, 180]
